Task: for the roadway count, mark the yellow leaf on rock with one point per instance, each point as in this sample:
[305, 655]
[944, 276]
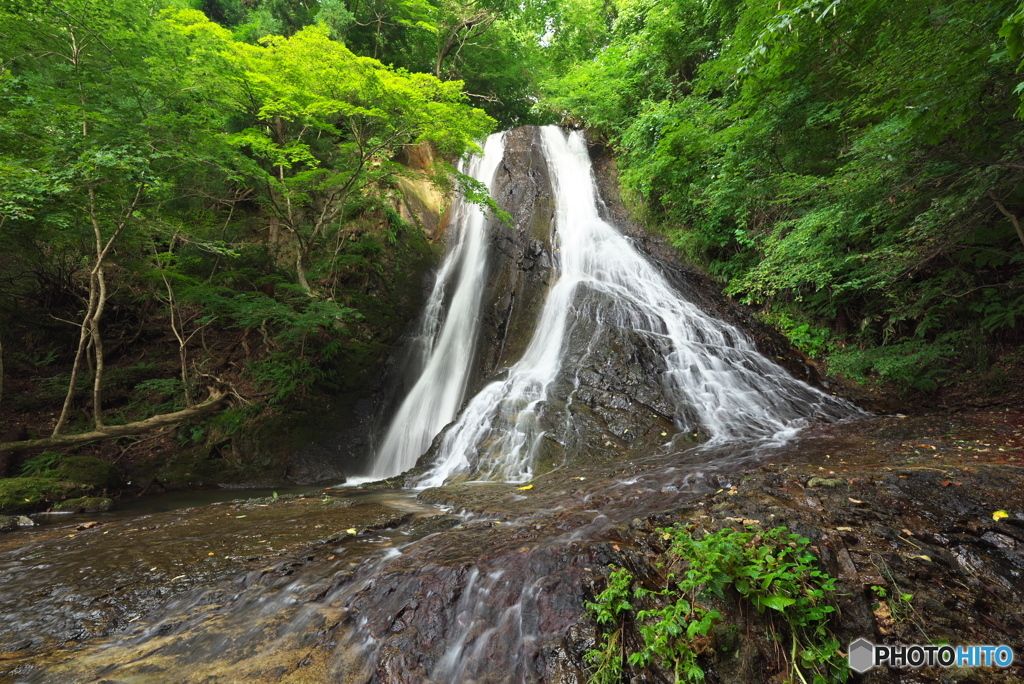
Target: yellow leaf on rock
[523, 489]
[999, 515]
[351, 530]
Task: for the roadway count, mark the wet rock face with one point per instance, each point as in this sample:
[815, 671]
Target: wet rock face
[611, 399]
[695, 284]
[520, 258]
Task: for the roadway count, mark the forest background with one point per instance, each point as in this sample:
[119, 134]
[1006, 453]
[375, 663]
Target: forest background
[199, 198]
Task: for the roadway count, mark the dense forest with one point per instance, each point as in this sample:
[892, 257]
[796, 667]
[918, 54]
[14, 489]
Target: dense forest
[200, 200]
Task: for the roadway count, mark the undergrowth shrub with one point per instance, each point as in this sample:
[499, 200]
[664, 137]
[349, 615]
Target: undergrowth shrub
[772, 570]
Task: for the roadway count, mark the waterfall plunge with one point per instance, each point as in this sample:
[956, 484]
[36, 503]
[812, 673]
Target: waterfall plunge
[446, 339]
[714, 375]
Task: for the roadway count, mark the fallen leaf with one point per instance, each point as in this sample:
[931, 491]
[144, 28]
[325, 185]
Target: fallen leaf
[845, 529]
[523, 489]
[351, 530]
[210, 554]
[856, 501]
[907, 532]
[616, 547]
[884, 617]
[88, 525]
[923, 557]
[926, 446]
[999, 515]
[239, 516]
[945, 483]
[745, 521]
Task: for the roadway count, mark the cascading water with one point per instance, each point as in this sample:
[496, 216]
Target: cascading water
[447, 338]
[717, 380]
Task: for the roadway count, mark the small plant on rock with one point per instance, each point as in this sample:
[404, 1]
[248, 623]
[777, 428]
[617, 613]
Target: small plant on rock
[773, 570]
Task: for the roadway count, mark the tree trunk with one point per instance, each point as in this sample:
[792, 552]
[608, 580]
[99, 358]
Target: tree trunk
[97, 347]
[1007, 214]
[179, 334]
[76, 368]
[107, 432]
[91, 320]
[301, 270]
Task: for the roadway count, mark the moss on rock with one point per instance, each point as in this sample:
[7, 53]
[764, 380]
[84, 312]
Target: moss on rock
[27, 494]
[86, 470]
[89, 504]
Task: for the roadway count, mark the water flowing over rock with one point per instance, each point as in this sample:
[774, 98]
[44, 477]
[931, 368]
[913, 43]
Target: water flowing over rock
[614, 342]
[446, 339]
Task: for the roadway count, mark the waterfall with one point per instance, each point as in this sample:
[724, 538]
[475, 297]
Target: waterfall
[447, 336]
[713, 374]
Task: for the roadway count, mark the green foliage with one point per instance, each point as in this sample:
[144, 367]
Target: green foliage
[41, 465]
[476, 192]
[914, 363]
[609, 609]
[182, 141]
[810, 339]
[773, 570]
[768, 140]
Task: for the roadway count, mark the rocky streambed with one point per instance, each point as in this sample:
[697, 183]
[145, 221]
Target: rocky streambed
[487, 582]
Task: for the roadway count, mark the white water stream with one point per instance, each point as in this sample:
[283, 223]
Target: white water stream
[447, 335]
[716, 378]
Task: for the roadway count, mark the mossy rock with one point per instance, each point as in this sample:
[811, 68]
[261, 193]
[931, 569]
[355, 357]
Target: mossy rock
[27, 494]
[8, 523]
[89, 471]
[88, 504]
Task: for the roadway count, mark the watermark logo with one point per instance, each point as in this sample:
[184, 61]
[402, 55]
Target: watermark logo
[864, 655]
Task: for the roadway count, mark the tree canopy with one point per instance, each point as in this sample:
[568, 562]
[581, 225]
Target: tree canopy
[150, 156]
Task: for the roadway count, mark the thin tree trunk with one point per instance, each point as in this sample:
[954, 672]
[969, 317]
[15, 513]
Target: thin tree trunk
[1007, 214]
[76, 367]
[90, 322]
[300, 270]
[179, 334]
[97, 348]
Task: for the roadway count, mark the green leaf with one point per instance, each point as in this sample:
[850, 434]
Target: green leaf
[775, 602]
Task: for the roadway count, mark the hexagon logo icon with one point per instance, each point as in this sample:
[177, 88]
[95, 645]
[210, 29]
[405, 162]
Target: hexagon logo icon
[862, 655]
